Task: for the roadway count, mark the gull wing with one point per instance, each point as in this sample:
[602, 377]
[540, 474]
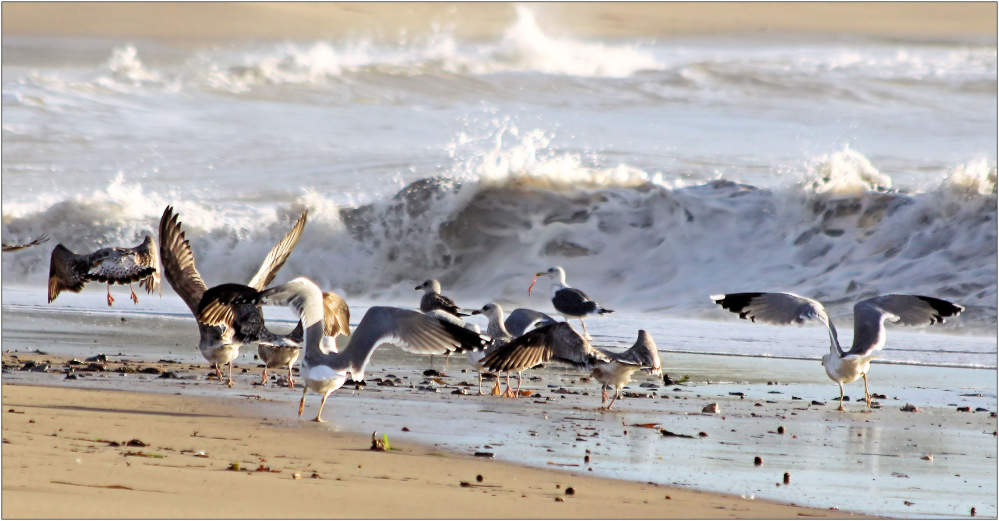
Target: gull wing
[643, 354]
[278, 255]
[558, 342]
[15, 247]
[336, 315]
[777, 309]
[178, 261]
[906, 310]
[67, 271]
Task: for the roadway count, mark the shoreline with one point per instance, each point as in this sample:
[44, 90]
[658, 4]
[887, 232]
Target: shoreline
[57, 431]
[820, 448]
[221, 22]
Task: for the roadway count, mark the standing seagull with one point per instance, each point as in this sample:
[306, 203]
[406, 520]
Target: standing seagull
[500, 337]
[617, 373]
[326, 372]
[868, 324]
[569, 302]
[219, 345]
[70, 272]
[433, 300]
[16, 247]
[336, 321]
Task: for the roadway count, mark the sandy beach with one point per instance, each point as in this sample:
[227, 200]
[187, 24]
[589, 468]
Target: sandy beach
[659, 152]
[70, 453]
[385, 20]
[440, 423]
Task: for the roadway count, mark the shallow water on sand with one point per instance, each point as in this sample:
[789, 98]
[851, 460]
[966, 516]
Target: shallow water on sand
[855, 461]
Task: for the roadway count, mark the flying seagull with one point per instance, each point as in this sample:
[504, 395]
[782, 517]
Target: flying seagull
[326, 372]
[869, 317]
[70, 272]
[220, 343]
[617, 372]
[569, 302]
[15, 247]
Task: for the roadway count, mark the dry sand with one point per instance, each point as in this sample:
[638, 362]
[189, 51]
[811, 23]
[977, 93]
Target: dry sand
[58, 461]
[214, 21]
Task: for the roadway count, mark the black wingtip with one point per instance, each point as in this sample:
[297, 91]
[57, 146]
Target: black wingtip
[736, 302]
[943, 308]
[606, 311]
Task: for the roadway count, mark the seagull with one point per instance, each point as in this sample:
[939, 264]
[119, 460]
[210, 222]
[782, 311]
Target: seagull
[568, 301]
[558, 342]
[500, 337]
[868, 324]
[70, 272]
[617, 372]
[220, 345]
[433, 300]
[336, 321]
[15, 247]
[326, 372]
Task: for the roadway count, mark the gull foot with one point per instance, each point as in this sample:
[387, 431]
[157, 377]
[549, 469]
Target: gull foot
[318, 420]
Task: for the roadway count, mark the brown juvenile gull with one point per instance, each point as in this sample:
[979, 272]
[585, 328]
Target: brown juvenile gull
[326, 372]
[336, 321]
[70, 272]
[521, 321]
[15, 247]
[617, 372]
[869, 317]
[220, 344]
[569, 302]
[433, 300]
[555, 342]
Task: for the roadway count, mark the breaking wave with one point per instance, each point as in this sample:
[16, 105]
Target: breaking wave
[839, 233]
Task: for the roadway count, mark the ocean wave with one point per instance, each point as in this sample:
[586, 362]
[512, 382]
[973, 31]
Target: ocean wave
[839, 234]
[861, 71]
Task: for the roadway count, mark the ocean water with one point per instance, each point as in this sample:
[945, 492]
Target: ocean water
[656, 172]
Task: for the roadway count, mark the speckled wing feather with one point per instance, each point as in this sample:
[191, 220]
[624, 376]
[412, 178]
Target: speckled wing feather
[216, 307]
[147, 254]
[278, 255]
[67, 271]
[432, 301]
[558, 342]
[336, 315]
[178, 261]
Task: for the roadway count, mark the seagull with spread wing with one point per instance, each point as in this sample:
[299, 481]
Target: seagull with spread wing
[120, 266]
[869, 317]
[324, 373]
[557, 342]
[617, 372]
[234, 325]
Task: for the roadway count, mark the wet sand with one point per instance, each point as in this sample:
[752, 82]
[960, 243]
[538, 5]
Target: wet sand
[879, 456]
[217, 21]
[70, 453]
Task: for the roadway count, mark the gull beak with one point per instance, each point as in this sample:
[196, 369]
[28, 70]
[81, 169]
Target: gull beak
[418, 288]
[477, 312]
